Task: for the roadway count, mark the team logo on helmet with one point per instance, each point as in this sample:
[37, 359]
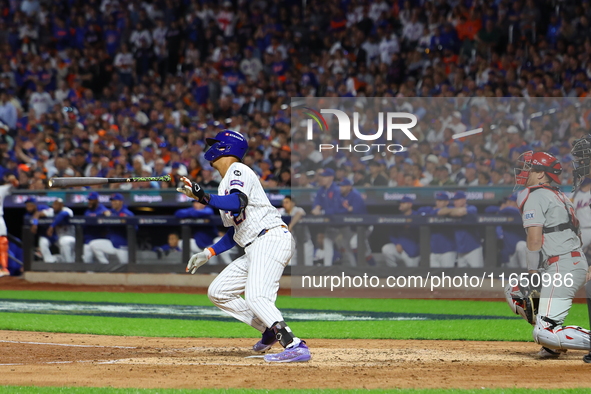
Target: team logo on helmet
[538, 161]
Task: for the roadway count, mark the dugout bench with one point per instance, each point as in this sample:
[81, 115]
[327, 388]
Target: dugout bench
[139, 263]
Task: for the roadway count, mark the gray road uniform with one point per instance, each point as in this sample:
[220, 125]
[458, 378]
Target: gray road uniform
[562, 259]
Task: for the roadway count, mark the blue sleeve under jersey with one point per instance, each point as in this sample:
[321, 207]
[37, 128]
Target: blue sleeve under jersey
[231, 202]
[226, 243]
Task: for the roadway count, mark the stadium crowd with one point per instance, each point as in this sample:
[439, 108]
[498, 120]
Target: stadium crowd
[116, 89]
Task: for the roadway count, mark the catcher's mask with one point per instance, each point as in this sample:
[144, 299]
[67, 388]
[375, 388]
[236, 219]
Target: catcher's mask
[581, 153]
[538, 161]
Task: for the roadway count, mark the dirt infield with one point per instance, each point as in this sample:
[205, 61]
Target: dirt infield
[47, 359]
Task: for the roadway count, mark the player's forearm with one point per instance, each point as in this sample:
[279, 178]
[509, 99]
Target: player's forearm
[295, 219]
[225, 243]
[234, 202]
[457, 212]
[59, 219]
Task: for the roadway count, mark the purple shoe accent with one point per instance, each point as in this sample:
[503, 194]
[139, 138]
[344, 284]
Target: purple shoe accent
[296, 354]
[266, 342]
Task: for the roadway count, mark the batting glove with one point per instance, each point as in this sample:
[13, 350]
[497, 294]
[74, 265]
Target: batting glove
[194, 191]
[197, 260]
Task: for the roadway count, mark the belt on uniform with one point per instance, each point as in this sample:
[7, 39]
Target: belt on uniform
[263, 232]
[553, 259]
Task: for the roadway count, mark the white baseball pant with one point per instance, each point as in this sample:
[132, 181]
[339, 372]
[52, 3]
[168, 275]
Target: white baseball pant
[392, 256]
[442, 260]
[341, 236]
[308, 254]
[256, 274]
[100, 248]
[555, 303]
[473, 259]
[66, 245]
[354, 244]
[517, 259]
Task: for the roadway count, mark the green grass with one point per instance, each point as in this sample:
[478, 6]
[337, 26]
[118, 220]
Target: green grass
[490, 329]
[96, 390]
[459, 307]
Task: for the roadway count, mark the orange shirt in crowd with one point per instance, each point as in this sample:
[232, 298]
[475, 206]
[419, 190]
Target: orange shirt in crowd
[468, 29]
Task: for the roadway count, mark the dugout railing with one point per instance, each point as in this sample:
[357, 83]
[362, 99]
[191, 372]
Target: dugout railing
[359, 224]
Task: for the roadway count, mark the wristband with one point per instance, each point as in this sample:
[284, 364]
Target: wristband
[533, 259]
[35, 222]
[209, 252]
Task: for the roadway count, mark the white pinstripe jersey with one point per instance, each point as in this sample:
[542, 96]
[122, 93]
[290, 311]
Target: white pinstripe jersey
[258, 215]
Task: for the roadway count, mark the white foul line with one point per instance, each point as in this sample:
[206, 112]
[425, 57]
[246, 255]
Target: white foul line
[69, 345]
[467, 133]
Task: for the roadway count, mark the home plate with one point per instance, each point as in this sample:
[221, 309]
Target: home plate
[254, 357]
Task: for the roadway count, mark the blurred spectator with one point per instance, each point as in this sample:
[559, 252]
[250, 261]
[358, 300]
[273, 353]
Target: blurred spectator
[404, 241]
[94, 234]
[116, 242]
[376, 176]
[512, 248]
[173, 245]
[60, 233]
[203, 235]
[329, 201]
[443, 244]
[441, 177]
[302, 234]
[142, 79]
[468, 242]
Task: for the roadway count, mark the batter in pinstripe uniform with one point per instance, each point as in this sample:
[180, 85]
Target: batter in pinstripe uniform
[268, 246]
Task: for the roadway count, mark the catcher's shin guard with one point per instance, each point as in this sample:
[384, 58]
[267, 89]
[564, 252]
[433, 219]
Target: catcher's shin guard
[4, 253]
[556, 336]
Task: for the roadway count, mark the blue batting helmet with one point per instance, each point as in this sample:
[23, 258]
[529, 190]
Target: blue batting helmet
[226, 143]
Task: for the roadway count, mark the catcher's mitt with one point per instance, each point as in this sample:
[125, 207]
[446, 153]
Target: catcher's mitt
[523, 301]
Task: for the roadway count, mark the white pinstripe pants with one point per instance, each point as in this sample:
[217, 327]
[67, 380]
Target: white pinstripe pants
[256, 274]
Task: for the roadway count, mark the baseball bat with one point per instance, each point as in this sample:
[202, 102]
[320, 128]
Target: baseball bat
[93, 181]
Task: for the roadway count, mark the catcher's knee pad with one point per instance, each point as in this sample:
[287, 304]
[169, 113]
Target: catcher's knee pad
[555, 336]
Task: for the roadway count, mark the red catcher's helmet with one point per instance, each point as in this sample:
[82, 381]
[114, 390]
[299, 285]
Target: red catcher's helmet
[539, 161]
